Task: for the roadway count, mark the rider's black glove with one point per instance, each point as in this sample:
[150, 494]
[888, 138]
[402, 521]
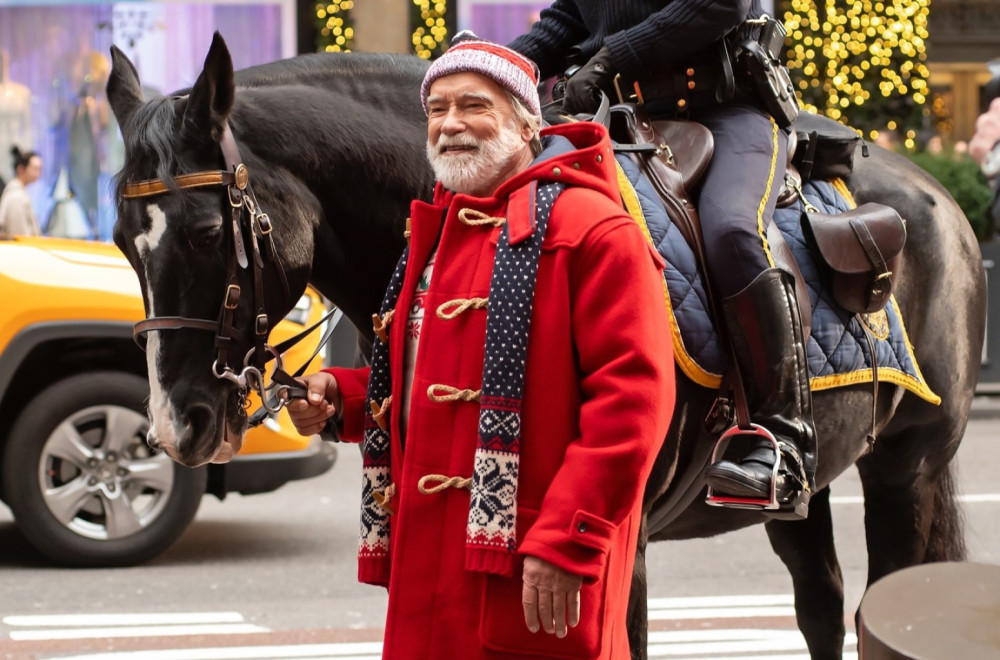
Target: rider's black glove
[583, 90]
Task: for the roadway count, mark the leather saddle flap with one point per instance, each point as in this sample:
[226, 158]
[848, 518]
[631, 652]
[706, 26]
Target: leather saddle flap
[692, 145]
[684, 146]
[841, 238]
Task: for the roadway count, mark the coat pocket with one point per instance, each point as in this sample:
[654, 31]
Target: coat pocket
[502, 628]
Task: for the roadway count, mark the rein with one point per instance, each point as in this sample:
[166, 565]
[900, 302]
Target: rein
[248, 221]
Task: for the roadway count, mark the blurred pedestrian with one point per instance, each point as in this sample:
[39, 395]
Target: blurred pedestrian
[16, 213]
[983, 147]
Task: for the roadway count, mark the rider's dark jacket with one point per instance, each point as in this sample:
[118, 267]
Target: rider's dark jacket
[645, 37]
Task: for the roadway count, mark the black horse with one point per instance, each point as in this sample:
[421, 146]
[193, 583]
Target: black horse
[335, 150]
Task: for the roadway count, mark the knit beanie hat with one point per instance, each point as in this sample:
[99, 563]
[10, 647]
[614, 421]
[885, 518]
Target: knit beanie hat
[507, 68]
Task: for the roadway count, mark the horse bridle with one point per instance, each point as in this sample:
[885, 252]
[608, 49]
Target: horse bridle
[248, 219]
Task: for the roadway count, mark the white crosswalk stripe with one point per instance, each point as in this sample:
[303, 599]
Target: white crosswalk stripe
[347, 651]
[101, 626]
[743, 641]
[720, 607]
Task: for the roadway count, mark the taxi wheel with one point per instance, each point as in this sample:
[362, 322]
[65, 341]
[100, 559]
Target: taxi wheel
[84, 487]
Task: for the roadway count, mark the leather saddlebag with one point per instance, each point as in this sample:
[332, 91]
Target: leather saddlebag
[825, 148]
[863, 249]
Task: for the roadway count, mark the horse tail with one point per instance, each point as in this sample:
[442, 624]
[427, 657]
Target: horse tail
[946, 541]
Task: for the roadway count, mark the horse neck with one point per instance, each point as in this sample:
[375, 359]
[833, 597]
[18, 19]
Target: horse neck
[363, 164]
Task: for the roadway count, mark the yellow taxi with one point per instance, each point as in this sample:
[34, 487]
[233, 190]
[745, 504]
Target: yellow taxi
[75, 470]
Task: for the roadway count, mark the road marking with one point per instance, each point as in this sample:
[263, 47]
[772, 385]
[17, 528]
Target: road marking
[137, 631]
[711, 643]
[746, 644]
[161, 619]
[983, 498]
[96, 626]
[721, 607]
[348, 651]
[741, 643]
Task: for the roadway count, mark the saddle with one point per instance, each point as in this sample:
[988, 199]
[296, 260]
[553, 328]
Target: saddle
[862, 249]
[674, 155]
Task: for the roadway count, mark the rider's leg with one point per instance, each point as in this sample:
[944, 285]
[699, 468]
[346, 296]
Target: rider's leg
[766, 332]
[759, 303]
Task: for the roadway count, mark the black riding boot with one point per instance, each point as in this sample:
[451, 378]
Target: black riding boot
[766, 332]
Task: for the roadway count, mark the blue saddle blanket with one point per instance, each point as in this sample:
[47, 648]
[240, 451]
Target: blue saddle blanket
[837, 350]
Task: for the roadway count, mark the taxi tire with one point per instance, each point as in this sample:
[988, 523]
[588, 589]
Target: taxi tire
[23, 493]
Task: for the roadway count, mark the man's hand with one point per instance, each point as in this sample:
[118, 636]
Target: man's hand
[323, 401]
[987, 133]
[550, 597]
[583, 89]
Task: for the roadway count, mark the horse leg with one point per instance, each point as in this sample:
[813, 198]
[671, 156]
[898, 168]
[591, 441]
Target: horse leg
[637, 606]
[807, 550]
[911, 509]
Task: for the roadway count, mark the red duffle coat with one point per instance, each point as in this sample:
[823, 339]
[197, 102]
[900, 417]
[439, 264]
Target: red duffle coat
[598, 394]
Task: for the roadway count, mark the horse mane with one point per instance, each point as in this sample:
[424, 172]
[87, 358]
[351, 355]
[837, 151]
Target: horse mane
[363, 88]
[334, 70]
[148, 138]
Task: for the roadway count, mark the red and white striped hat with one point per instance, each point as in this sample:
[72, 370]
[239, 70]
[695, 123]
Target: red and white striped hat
[509, 69]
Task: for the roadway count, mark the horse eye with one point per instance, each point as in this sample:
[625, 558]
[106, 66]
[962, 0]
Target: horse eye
[203, 237]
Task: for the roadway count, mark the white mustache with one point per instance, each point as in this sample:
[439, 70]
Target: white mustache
[446, 141]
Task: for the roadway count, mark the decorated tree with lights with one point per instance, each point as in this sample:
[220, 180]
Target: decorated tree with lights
[861, 62]
[429, 18]
[430, 27]
[334, 25]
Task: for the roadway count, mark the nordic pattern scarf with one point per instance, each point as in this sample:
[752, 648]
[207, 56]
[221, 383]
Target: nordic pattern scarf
[491, 530]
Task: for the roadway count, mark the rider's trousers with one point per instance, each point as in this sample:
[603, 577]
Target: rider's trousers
[739, 192]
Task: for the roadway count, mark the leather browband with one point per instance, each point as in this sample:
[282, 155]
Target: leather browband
[151, 187]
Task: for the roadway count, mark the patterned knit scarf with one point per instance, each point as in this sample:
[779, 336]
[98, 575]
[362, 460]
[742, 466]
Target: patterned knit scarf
[491, 533]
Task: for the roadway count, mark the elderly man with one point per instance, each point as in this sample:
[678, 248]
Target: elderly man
[521, 385]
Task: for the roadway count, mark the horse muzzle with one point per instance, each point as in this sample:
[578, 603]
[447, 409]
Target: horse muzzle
[201, 435]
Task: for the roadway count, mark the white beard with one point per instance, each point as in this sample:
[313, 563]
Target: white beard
[478, 169]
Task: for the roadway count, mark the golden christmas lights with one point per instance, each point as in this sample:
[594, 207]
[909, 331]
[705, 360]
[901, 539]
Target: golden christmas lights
[861, 62]
[431, 31]
[336, 31]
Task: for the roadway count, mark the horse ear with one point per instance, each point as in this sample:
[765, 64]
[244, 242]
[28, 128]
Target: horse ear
[212, 95]
[124, 90]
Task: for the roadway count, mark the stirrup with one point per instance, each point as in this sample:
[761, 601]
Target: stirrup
[797, 508]
[753, 503]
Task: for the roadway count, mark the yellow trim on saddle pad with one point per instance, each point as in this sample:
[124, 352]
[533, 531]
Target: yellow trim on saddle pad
[705, 378]
[687, 364]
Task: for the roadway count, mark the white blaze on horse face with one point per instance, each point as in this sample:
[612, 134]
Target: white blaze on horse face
[161, 414]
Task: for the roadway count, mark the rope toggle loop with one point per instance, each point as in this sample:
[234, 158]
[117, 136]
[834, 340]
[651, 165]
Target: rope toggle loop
[452, 308]
[379, 412]
[381, 323]
[443, 483]
[383, 498]
[451, 394]
[475, 218]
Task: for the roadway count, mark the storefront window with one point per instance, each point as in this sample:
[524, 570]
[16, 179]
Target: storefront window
[55, 67]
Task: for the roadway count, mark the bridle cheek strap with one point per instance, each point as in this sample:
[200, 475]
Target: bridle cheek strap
[240, 197]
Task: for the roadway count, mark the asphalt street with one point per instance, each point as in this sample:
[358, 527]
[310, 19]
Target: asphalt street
[276, 571]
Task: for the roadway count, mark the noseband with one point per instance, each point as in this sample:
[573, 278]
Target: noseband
[248, 220]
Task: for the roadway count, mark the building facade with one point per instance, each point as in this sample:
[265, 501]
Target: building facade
[964, 38]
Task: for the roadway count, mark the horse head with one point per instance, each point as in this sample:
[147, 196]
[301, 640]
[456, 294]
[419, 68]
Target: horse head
[216, 273]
